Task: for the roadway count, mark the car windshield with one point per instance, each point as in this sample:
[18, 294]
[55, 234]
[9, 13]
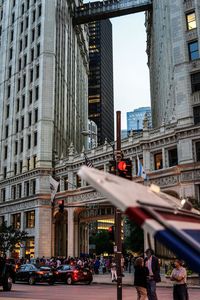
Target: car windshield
[67, 267]
[44, 268]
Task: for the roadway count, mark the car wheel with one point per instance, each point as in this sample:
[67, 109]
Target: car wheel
[69, 280]
[51, 282]
[89, 282]
[7, 284]
[31, 280]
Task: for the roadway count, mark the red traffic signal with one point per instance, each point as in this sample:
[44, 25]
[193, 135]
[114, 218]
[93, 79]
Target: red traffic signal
[111, 232]
[121, 165]
[124, 168]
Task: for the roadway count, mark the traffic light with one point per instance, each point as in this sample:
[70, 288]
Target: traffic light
[61, 206]
[111, 233]
[124, 168]
[112, 167]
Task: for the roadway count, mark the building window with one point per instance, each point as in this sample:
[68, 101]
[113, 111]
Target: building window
[17, 125]
[23, 101]
[15, 168]
[32, 54]
[17, 105]
[28, 4]
[198, 151]
[34, 161]
[158, 162]
[22, 9]
[3, 195]
[13, 192]
[25, 60]
[21, 27]
[27, 22]
[16, 147]
[195, 82]
[26, 41]
[21, 145]
[30, 96]
[6, 131]
[4, 172]
[24, 80]
[38, 30]
[191, 21]
[16, 221]
[38, 50]
[20, 166]
[196, 113]
[173, 157]
[29, 142]
[19, 190]
[20, 46]
[28, 164]
[7, 111]
[36, 93]
[33, 16]
[193, 50]
[36, 115]
[18, 84]
[31, 75]
[29, 118]
[26, 188]
[5, 152]
[33, 35]
[11, 36]
[30, 219]
[13, 18]
[9, 72]
[35, 138]
[22, 123]
[37, 71]
[10, 53]
[33, 186]
[39, 10]
[20, 64]
[78, 181]
[8, 91]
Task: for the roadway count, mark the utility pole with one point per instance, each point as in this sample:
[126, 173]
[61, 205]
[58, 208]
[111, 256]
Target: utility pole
[118, 217]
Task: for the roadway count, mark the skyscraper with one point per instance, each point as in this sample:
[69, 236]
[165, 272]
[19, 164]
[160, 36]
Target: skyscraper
[173, 58]
[135, 118]
[43, 102]
[101, 107]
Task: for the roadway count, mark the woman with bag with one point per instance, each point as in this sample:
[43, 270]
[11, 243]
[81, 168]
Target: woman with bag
[140, 278]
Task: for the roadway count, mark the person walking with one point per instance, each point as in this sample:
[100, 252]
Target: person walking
[140, 278]
[113, 269]
[152, 263]
[179, 277]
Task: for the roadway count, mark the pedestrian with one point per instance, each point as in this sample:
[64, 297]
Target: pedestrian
[140, 278]
[113, 268]
[179, 277]
[152, 263]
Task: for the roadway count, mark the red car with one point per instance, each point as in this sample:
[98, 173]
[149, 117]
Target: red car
[72, 274]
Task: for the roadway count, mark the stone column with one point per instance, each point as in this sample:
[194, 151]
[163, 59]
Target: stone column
[70, 250]
[163, 158]
[76, 239]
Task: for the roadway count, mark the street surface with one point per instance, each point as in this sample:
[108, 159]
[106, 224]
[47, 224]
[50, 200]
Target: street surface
[81, 292]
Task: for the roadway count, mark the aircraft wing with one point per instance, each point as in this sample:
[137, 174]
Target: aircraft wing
[156, 212]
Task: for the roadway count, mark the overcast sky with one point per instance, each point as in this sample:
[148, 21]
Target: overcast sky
[131, 74]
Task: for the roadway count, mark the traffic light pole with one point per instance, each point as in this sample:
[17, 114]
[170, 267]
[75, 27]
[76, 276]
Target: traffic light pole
[118, 217]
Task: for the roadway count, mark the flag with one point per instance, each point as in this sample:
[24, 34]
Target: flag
[157, 213]
[141, 171]
[53, 187]
[88, 163]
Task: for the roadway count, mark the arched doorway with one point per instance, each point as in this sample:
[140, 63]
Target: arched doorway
[61, 236]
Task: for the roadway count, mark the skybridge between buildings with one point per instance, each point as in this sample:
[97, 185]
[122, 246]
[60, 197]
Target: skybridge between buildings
[106, 9]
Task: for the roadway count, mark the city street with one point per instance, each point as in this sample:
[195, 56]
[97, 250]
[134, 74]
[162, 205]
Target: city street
[81, 292]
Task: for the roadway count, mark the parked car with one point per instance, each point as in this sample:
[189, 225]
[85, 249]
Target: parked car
[6, 275]
[31, 274]
[72, 274]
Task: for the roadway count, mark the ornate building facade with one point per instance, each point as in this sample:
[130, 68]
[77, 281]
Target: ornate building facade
[170, 153]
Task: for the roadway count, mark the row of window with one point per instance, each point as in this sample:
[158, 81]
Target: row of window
[16, 190]
[16, 219]
[32, 16]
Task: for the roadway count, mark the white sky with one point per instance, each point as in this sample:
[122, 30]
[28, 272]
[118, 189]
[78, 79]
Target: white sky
[131, 74]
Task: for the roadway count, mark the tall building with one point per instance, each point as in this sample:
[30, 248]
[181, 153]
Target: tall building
[101, 107]
[173, 41]
[43, 103]
[135, 118]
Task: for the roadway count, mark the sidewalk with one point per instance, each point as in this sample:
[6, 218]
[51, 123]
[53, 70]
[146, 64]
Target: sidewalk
[128, 279]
